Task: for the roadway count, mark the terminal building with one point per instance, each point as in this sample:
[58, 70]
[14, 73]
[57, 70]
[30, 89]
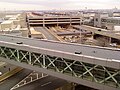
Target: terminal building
[14, 25]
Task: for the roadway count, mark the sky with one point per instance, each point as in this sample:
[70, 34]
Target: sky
[58, 4]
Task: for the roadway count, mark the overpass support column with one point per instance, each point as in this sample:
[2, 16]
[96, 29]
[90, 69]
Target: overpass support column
[57, 22]
[111, 31]
[43, 21]
[43, 25]
[70, 21]
[93, 35]
[110, 40]
[80, 21]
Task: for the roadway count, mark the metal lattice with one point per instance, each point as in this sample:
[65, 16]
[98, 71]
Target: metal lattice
[94, 73]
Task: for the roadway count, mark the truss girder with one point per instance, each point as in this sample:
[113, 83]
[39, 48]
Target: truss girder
[81, 70]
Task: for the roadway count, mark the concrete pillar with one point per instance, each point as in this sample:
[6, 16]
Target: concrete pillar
[93, 35]
[57, 22]
[110, 40]
[70, 21]
[80, 21]
[43, 21]
[43, 25]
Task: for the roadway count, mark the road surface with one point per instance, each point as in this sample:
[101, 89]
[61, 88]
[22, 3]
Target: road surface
[10, 82]
[94, 51]
[47, 34]
[104, 32]
[46, 83]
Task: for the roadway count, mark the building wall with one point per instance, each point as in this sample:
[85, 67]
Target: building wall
[25, 32]
[6, 26]
[110, 22]
[22, 19]
[97, 19]
[110, 26]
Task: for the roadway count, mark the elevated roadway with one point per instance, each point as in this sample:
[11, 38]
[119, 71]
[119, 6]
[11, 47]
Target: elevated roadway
[86, 50]
[96, 67]
[104, 32]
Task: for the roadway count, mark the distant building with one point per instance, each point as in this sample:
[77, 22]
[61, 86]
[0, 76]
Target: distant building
[110, 22]
[117, 28]
[98, 17]
[7, 25]
[106, 20]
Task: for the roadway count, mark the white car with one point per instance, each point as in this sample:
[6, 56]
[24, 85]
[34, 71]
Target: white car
[113, 44]
[0, 73]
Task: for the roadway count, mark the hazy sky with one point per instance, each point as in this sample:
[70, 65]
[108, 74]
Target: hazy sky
[58, 4]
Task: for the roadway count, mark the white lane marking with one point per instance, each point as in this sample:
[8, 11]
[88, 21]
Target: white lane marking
[45, 84]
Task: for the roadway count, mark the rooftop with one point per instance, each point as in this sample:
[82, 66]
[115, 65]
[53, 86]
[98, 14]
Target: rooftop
[114, 18]
[7, 22]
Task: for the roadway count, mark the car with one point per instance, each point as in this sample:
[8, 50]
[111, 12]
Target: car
[78, 52]
[19, 42]
[99, 29]
[0, 73]
[113, 44]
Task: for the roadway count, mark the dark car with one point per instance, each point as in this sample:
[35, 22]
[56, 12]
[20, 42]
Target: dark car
[99, 29]
[19, 42]
[78, 52]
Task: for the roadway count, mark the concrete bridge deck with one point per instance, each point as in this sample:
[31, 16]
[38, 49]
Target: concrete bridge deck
[104, 32]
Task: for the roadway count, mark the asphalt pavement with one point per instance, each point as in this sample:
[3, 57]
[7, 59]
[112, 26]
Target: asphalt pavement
[94, 51]
[6, 68]
[12, 81]
[46, 83]
[47, 34]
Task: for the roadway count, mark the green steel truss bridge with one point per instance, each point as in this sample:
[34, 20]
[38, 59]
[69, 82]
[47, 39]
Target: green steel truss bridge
[96, 67]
